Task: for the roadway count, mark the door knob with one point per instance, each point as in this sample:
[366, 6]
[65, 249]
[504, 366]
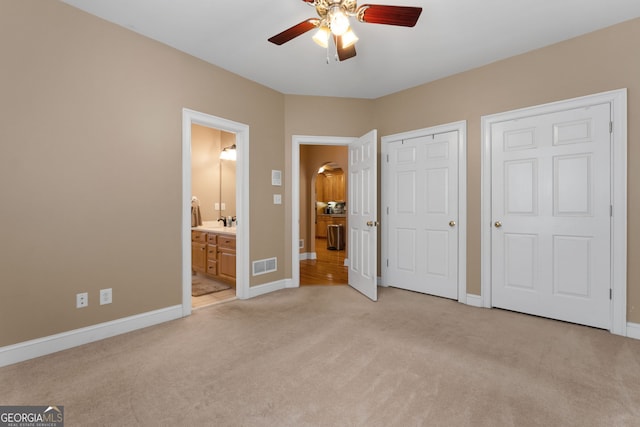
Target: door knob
[372, 223]
[498, 224]
[452, 223]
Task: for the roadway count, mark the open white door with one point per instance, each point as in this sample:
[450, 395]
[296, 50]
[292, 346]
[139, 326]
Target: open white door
[362, 206]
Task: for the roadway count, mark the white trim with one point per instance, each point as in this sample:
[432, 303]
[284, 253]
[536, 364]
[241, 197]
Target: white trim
[618, 101]
[42, 346]
[308, 255]
[474, 300]
[241, 131]
[266, 288]
[461, 128]
[633, 330]
[296, 142]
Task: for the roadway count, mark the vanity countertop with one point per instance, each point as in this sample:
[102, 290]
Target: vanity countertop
[215, 227]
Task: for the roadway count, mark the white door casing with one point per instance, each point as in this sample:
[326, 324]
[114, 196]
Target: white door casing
[424, 210]
[550, 200]
[423, 214]
[362, 207]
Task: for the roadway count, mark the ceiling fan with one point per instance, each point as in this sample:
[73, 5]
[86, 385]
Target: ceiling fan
[334, 21]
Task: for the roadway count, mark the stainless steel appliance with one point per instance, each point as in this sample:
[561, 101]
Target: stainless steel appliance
[335, 237]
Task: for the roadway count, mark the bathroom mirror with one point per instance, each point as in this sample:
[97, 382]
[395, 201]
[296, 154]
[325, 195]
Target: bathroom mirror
[213, 180]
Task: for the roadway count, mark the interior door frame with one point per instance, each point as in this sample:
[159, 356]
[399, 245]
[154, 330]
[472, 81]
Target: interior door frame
[618, 101]
[296, 142]
[190, 117]
[461, 127]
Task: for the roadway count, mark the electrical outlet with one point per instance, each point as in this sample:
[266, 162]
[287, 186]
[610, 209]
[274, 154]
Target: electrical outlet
[277, 199]
[223, 206]
[105, 296]
[216, 206]
[301, 244]
[82, 300]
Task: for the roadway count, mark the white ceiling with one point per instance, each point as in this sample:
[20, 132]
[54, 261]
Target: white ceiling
[451, 36]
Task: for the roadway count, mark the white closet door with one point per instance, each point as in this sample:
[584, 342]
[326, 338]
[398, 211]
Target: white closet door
[423, 214]
[551, 215]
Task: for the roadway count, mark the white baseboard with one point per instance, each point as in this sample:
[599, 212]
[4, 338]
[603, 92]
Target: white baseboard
[42, 346]
[474, 300]
[308, 255]
[633, 330]
[255, 291]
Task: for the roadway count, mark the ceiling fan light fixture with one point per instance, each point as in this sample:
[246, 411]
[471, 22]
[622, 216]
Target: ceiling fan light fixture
[349, 38]
[321, 37]
[338, 20]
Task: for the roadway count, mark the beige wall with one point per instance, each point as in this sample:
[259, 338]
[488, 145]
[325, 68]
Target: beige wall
[90, 166]
[597, 62]
[90, 154]
[311, 158]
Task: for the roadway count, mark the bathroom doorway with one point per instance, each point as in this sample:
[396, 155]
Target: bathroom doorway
[213, 219]
[230, 246]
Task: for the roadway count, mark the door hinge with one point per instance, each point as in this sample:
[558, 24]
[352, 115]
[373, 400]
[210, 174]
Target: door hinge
[610, 127]
[610, 293]
[387, 262]
[387, 158]
[611, 210]
[387, 210]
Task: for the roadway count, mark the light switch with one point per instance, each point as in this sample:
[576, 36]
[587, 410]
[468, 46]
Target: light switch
[224, 206]
[277, 199]
[216, 206]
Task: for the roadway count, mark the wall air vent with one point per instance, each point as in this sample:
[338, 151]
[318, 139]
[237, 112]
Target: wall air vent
[264, 266]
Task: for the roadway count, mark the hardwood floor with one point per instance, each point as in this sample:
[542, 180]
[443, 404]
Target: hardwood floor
[214, 298]
[327, 269]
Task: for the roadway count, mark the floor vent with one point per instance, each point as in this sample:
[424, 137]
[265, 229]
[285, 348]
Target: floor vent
[264, 266]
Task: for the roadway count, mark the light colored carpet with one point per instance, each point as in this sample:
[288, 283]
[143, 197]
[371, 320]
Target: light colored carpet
[326, 356]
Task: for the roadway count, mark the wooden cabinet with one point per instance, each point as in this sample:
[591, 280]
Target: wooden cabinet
[321, 184]
[199, 251]
[227, 257]
[321, 226]
[330, 187]
[336, 183]
[214, 254]
[340, 221]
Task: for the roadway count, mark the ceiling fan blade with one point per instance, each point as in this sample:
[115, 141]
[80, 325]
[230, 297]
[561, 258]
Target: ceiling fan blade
[344, 53]
[295, 31]
[405, 16]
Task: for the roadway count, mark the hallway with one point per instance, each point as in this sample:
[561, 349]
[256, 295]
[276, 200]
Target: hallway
[327, 269]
